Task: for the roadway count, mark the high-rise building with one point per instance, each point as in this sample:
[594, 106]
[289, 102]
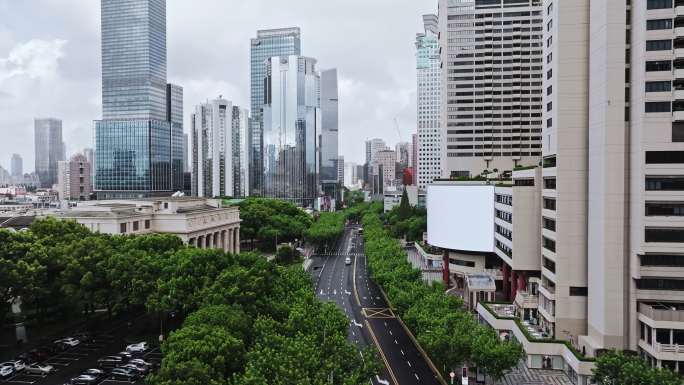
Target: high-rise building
[429, 147]
[49, 149]
[17, 167]
[329, 135]
[268, 43]
[385, 166]
[245, 145]
[139, 142]
[186, 156]
[74, 180]
[414, 157]
[89, 153]
[291, 121]
[340, 170]
[216, 142]
[491, 84]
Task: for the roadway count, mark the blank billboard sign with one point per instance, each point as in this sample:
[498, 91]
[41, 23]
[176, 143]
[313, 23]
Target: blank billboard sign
[461, 217]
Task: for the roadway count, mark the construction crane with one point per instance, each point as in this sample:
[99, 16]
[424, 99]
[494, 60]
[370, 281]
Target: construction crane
[396, 125]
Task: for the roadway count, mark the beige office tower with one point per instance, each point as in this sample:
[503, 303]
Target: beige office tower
[491, 111]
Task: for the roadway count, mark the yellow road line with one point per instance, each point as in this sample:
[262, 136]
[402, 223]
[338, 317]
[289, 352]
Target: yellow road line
[382, 354]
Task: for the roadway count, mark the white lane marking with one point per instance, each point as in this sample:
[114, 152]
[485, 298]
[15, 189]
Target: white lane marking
[417, 378]
[402, 352]
[358, 325]
[391, 333]
[395, 342]
[381, 381]
[409, 363]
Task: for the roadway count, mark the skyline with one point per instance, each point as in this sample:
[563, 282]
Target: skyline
[53, 69]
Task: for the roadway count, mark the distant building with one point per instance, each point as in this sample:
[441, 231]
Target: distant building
[17, 168]
[291, 123]
[216, 149]
[244, 150]
[329, 137]
[186, 156]
[340, 170]
[268, 43]
[199, 222]
[74, 180]
[414, 157]
[388, 160]
[415, 197]
[49, 149]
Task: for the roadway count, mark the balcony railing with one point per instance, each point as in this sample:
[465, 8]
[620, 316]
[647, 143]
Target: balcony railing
[668, 348]
[526, 300]
[661, 314]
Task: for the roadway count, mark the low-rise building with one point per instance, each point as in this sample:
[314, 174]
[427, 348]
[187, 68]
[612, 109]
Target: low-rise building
[199, 222]
[393, 198]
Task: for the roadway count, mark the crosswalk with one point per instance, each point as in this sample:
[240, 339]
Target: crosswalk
[333, 254]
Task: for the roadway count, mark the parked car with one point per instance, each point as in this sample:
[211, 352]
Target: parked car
[110, 361]
[123, 374]
[125, 354]
[18, 365]
[140, 361]
[84, 379]
[347, 261]
[39, 355]
[141, 370]
[68, 341]
[43, 370]
[97, 373]
[6, 370]
[137, 348]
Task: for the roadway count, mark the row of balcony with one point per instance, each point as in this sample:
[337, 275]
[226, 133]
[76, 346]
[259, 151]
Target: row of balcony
[662, 312]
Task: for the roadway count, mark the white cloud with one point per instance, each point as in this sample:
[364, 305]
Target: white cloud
[33, 59]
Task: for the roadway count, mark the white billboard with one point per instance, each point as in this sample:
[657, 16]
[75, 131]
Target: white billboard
[461, 217]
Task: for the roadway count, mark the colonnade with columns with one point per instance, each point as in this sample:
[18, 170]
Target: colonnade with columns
[227, 239]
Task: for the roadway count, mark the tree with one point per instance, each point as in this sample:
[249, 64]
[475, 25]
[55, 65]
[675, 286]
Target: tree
[615, 367]
[286, 254]
[404, 211]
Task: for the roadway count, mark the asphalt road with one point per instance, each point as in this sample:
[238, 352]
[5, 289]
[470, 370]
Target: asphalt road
[370, 319]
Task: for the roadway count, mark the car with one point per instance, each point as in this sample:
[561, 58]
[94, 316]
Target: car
[18, 365]
[347, 261]
[137, 348]
[66, 343]
[6, 370]
[97, 373]
[84, 379]
[40, 354]
[140, 361]
[110, 361]
[43, 370]
[141, 370]
[123, 374]
[125, 354]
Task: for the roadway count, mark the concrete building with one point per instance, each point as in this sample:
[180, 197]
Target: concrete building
[49, 149]
[244, 147]
[199, 222]
[340, 170]
[491, 56]
[416, 197]
[384, 166]
[216, 148]
[74, 179]
[268, 43]
[429, 137]
[17, 165]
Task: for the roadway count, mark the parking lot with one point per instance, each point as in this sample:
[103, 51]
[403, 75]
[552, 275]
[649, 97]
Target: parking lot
[75, 360]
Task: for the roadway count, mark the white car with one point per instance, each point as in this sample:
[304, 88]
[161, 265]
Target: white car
[39, 369]
[347, 261]
[6, 370]
[137, 348]
[69, 341]
[141, 362]
[18, 365]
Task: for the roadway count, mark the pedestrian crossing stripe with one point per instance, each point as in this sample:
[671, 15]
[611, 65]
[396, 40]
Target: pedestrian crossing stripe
[378, 312]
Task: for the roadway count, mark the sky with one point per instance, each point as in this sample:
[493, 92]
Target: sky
[50, 62]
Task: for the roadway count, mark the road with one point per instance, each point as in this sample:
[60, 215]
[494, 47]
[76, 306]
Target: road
[370, 319]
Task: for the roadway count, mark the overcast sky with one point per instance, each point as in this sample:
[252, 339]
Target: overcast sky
[50, 62]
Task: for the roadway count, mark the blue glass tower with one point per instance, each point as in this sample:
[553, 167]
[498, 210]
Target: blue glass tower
[267, 44]
[139, 142]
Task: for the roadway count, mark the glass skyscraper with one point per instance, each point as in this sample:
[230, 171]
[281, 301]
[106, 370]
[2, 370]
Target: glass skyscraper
[49, 149]
[329, 150]
[139, 142]
[267, 44]
[292, 121]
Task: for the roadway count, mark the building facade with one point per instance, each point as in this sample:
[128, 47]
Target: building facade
[49, 149]
[216, 146]
[268, 43]
[74, 180]
[198, 222]
[291, 129]
[385, 167]
[491, 110]
[429, 136]
[245, 166]
[329, 136]
[17, 165]
[139, 142]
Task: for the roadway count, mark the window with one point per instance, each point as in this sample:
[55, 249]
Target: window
[658, 65]
[549, 224]
[549, 264]
[459, 262]
[550, 183]
[658, 4]
[524, 182]
[663, 86]
[665, 183]
[549, 9]
[665, 209]
[659, 284]
[122, 228]
[658, 24]
[578, 291]
[549, 122]
[658, 45]
[549, 74]
[549, 106]
[147, 223]
[664, 157]
[549, 90]
[549, 244]
[657, 106]
[664, 235]
[673, 260]
[550, 204]
[678, 131]
[136, 226]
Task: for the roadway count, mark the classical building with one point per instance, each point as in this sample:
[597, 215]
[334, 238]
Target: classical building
[199, 222]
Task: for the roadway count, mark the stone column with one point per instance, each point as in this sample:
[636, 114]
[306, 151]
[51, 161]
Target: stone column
[237, 240]
[208, 241]
[200, 239]
[229, 235]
